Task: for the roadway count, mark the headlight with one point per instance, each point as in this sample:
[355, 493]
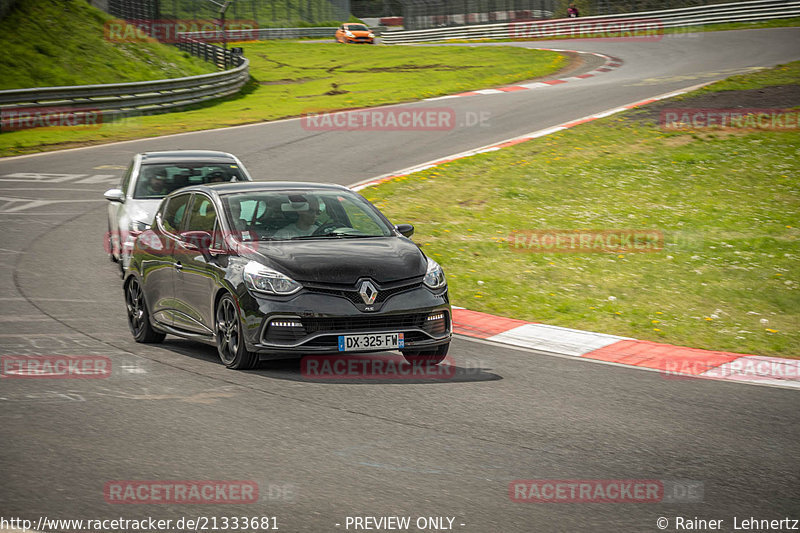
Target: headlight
[136, 226]
[371, 35]
[434, 277]
[349, 33]
[260, 278]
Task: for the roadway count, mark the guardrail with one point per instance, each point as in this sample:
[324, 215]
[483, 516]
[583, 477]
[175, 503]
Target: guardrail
[123, 99]
[267, 34]
[749, 11]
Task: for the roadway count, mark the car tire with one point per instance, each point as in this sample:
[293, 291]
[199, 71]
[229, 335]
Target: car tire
[432, 356]
[231, 347]
[138, 316]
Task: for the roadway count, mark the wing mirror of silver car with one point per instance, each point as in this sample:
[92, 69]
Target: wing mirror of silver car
[406, 230]
[115, 195]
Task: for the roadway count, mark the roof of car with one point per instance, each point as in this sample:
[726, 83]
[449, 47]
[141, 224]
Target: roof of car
[252, 186]
[178, 156]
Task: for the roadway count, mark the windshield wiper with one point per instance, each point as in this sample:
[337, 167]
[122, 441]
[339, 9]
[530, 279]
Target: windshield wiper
[335, 235]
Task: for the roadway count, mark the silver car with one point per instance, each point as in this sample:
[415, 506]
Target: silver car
[150, 177]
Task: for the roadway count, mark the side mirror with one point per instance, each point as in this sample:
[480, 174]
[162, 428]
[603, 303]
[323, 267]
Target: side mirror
[406, 230]
[197, 240]
[200, 241]
[115, 195]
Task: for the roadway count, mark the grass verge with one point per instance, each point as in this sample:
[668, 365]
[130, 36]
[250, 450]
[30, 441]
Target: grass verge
[727, 202]
[49, 43]
[290, 79]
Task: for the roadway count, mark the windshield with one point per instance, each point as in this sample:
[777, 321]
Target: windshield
[357, 27]
[295, 215]
[157, 181]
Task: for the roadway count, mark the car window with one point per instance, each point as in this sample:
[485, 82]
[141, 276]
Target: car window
[202, 216]
[126, 179]
[157, 181]
[279, 215]
[173, 214]
[360, 219]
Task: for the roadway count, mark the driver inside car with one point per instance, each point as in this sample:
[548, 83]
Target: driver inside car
[307, 209]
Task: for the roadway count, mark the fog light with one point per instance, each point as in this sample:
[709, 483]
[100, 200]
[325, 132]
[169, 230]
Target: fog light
[286, 324]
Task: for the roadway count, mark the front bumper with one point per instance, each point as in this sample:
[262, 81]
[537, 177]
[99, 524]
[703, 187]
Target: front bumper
[311, 323]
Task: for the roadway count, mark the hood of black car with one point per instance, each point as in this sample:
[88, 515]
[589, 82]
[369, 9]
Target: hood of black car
[345, 261]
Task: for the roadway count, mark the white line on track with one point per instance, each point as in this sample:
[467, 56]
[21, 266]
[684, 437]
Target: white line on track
[520, 138]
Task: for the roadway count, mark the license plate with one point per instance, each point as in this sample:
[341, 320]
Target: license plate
[378, 341]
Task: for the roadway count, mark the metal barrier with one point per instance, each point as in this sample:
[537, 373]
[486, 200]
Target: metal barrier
[750, 11]
[430, 14]
[267, 34]
[143, 97]
[211, 53]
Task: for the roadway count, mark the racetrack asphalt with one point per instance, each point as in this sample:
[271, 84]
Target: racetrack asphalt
[321, 451]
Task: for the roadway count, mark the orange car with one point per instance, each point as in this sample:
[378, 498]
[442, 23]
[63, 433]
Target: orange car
[354, 33]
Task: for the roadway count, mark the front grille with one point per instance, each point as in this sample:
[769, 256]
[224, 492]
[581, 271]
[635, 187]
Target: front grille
[355, 297]
[316, 325]
[360, 323]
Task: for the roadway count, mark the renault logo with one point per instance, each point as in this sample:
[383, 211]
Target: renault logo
[368, 292]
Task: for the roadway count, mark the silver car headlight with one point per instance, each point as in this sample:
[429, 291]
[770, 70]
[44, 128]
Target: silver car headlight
[434, 277]
[260, 278]
[136, 226]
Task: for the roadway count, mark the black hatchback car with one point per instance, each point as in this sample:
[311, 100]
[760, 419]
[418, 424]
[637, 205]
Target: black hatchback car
[270, 270]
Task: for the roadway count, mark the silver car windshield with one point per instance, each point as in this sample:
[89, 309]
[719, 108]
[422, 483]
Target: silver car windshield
[157, 181]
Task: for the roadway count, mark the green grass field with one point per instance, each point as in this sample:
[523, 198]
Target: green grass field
[291, 78]
[49, 43]
[727, 202]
